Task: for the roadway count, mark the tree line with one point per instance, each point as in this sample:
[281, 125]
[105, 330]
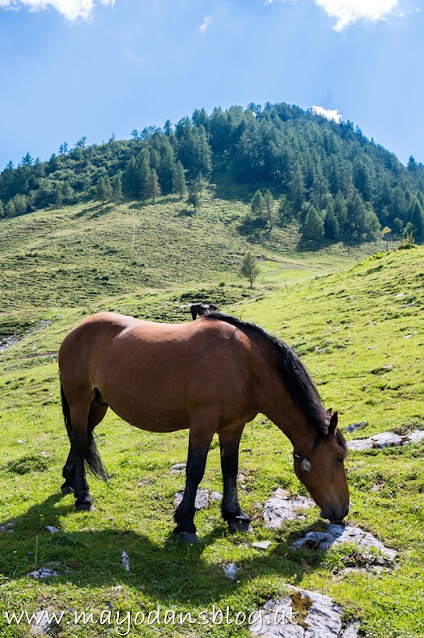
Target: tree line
[328, 176]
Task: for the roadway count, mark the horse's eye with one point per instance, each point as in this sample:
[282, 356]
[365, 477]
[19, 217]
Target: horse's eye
[339, 460]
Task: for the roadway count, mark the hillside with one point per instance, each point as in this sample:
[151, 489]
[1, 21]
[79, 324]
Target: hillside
[82, 255]
[360, 333]
[328, 177]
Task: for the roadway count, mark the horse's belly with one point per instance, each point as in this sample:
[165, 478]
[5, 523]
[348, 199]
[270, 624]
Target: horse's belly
[152, 420]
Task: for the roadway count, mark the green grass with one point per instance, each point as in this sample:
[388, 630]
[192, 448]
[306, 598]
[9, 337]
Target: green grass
[362, 343]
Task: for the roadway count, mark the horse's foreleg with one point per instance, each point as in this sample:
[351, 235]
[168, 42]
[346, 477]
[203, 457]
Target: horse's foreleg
[79, 447]
[201, 435]
[231, 511]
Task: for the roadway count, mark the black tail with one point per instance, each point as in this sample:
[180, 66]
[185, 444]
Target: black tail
[92, 457]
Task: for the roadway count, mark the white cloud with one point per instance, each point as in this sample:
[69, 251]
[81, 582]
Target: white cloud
[206, 24]
[71, 9]
[349, 11]
[329, 114]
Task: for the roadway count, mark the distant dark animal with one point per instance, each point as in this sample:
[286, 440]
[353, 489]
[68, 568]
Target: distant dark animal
[202, 309]
[212, 375]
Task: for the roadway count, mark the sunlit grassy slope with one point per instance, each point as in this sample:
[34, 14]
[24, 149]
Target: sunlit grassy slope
[79, 255]
[359, 331]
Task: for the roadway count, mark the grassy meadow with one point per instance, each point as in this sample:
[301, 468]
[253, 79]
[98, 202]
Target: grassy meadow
[356, 322]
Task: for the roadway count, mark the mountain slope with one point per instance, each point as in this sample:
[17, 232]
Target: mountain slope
[360, 333]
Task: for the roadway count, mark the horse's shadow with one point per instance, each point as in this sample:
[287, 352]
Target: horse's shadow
[166, 570]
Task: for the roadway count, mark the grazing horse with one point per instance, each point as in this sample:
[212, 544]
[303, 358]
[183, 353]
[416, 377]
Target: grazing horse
[212, 376]
[202, 309]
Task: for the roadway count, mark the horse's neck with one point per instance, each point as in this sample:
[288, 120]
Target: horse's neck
[276, 403]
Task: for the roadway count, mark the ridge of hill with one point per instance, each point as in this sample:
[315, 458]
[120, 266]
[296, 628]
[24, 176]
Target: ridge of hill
[348, 185]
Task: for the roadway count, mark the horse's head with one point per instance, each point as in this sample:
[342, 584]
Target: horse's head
[323, 473]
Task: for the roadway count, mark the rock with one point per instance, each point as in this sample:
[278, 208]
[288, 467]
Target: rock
[230, 571]
[203, 498]
[355, 426]
[41, 623]
[125, 561]
[261, 544]
[283, 507]
[385, 439]
[51, 529]
[178, 467]
[43, 572]
[323, 620]
[215, 496]
[336, 534]
[414, 437]
[7, 528]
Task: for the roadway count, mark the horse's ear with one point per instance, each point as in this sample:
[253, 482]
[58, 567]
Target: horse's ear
[333, 423]
[329, 412]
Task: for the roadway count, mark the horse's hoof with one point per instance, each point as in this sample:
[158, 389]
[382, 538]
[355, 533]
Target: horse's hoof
[84, 507]
[239, 524]
[84, 503]
[186, 537]
[67, 489]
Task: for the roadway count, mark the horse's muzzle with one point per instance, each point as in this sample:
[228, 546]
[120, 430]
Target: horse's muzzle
[335, 514]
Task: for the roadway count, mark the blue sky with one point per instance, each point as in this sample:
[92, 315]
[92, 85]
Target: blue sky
[70, 68]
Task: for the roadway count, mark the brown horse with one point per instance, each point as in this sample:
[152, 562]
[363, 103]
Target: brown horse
[212, 375]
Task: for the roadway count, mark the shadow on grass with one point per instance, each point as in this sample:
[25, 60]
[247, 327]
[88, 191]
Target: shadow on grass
[167, 570]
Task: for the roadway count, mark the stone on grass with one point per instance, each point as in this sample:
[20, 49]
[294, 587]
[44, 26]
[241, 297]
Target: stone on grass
[385, 439]
[203, 498]
[230, 571]
[261, 544]
[323, 619]
[51, 529]
[355, 426]
[125, 561]
[336, 534]
[43, 572]
[178, 467]
[41, 623]
[7, 528]
[284, 507]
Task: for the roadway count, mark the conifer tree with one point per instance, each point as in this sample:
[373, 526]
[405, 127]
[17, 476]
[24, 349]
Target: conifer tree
[268, 204]
[117, 187]
[331, 225]
[196, 191]
[178, 180]
[132, 180]
[257, 204]
[1, 209]
[151, 187]
[104, 189]
[416, 218]
[297, 189]
[313, 227]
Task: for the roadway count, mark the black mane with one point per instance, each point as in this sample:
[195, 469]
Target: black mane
[294, 374]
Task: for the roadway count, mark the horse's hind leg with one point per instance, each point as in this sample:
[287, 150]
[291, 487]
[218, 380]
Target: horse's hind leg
[96, 414]
[231, 511]
[68, 473]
